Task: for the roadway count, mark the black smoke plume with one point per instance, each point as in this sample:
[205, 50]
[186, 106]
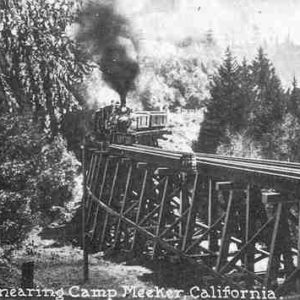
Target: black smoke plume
[105, 36]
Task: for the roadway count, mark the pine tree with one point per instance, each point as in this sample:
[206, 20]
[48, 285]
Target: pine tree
[246, 96]
[267, 107]
[221, 115]
[293, 106]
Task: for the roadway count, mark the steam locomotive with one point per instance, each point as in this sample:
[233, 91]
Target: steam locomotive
[120, 125]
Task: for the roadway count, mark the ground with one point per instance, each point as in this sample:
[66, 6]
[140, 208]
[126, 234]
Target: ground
[60, 265]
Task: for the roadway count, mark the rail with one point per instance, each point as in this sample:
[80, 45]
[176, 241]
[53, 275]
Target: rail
[289, 170]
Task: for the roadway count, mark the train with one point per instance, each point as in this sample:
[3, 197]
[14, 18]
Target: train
[120, 125]
[148, 120]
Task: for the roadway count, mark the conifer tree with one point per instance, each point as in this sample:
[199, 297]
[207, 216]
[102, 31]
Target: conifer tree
[293, 106]
[221, 115]
[246, 96]
[267, 107]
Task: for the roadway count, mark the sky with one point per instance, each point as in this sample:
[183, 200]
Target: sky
[235, 19]
[244, 25]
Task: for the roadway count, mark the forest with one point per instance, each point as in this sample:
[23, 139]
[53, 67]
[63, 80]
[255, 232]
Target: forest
[249, 113]
[46, 77]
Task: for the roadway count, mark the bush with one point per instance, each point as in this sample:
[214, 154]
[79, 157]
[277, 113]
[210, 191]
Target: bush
[240, 145]
[58, 169]
[36, 174]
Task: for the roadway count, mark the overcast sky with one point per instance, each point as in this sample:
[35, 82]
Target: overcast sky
[242, 24]
[238, 20]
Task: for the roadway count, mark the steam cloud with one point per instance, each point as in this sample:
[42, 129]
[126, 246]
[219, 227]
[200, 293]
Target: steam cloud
[105, 36]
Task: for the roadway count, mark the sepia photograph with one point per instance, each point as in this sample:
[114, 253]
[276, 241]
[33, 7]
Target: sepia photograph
[149, 149]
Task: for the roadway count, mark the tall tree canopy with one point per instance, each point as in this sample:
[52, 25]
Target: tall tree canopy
[249, 113]
[268, 105]
[222, 108]
[40, 67]
[293, 106]
[39, 63]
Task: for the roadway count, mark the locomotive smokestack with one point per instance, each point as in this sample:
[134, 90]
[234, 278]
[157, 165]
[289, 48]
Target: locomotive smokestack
[105, 36]
[123, 99]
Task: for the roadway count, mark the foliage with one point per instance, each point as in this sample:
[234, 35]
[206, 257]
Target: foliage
[57, 170]
[293, 106]
[40, 68]
[282, 144]
[187, 77]
[247, 109]
[288, 138]
[246, 95]
[223, 105]
[240, 145]
[267, 107]
[35, 175]
[173, 82]
[40, 65]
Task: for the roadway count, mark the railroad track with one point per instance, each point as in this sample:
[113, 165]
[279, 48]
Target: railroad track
[278, 169]
[287, 170]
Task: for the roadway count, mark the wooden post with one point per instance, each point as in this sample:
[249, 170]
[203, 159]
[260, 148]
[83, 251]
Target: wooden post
[271, 271]
[124, 199]
[191, 216]
[225, 240]
[161, 215]
[184, 203]
[135, 245]
[247, 229]
[298, 257]
[96, 219]
[213, 236]
[250, 254]
[84, 244]
[106, 215]
[27, 275]
[93, 186]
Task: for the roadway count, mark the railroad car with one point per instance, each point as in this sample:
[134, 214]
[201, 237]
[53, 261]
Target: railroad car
[158, 119]
[147, 120]
[140, 120]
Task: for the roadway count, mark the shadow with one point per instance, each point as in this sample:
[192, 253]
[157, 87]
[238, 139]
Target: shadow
[68, 233]
[179, 275]
[168, 272]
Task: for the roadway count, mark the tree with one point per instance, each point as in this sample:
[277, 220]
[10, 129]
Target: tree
[246, 96]
[289, 139]
[35, 175]
[221, 109]
[40, 67]
[39, 64]
[293, 106]
[267, 108]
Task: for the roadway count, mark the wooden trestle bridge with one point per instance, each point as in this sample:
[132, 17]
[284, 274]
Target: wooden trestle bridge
[236, 217]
